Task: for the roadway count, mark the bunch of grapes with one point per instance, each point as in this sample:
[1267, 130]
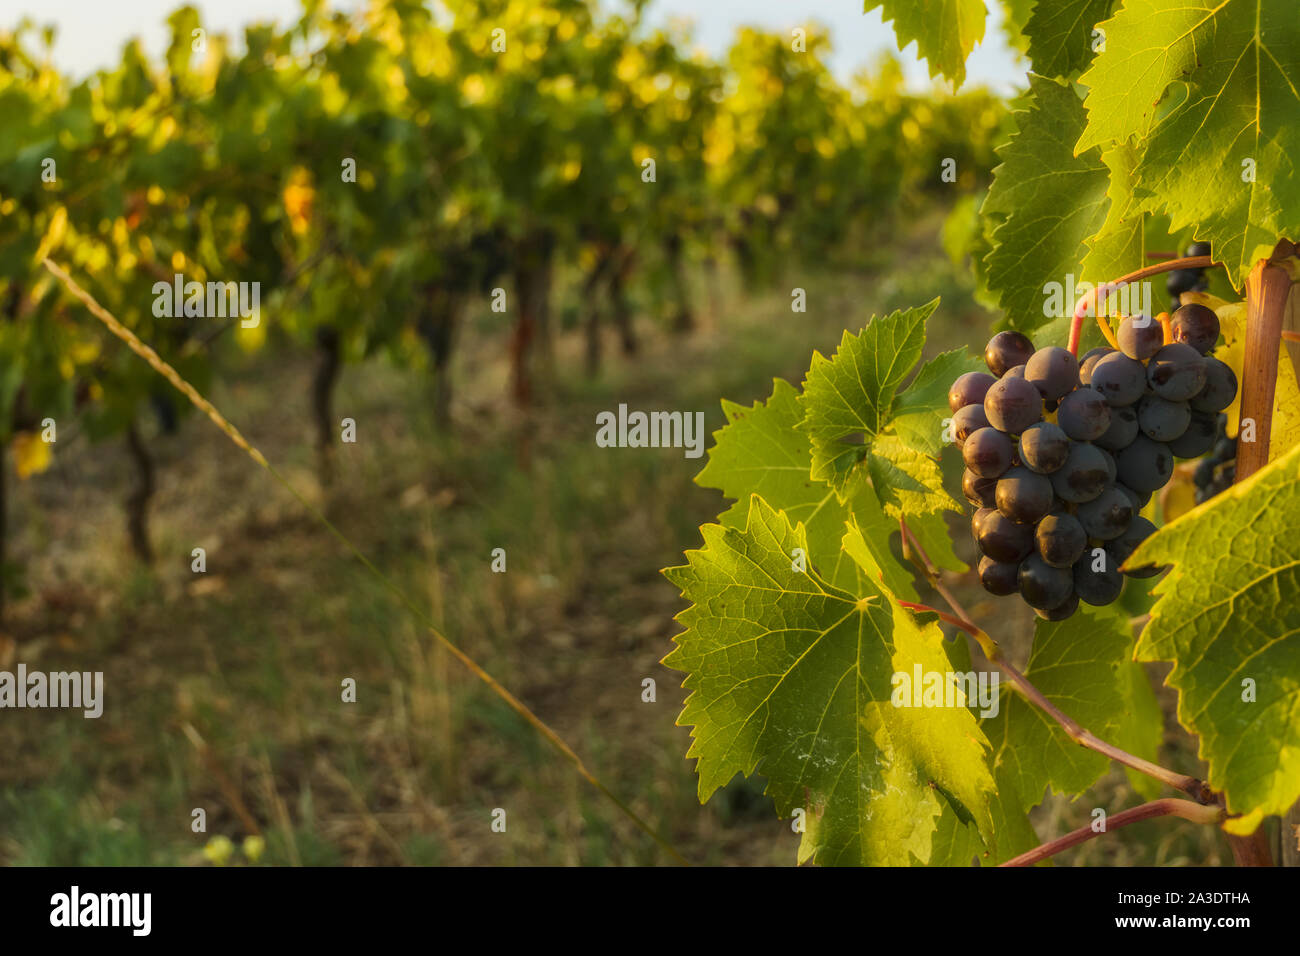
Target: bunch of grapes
[1217, 470]
[1187, 280]
[1062, 455]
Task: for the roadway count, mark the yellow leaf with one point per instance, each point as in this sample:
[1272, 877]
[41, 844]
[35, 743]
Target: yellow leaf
[32, 454]
[1244, 825]
[1178, 497]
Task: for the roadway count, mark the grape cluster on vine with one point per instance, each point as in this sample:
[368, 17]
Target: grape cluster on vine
[1062, 455]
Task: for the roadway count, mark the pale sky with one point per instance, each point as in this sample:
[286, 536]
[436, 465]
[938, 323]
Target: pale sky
[92, 32]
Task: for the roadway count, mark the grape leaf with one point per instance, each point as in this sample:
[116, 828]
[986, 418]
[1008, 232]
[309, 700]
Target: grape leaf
[1049, 200]
[955, 843]
[1142, 726]
[1077, 664]
[849, 402]
[1227, 612]
[1214, 92]
[920, 411]
[1118, 246]
[945, 31]
[761, 451]
[1060, 34]
[792, 677]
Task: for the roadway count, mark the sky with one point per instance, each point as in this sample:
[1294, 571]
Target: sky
[91, 32]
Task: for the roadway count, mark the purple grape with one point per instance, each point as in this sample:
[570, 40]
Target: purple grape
[969, 389]
[1006, 350]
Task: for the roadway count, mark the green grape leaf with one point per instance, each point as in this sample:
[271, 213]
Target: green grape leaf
[906, 481]
[868, 542]
[1076, 663]
[921, 408]
[1142, 726]
[1213, 91]
[1228, 619]
[761, 451]
[849, 403]
[792, 677]
[956, 843]
[1049, 200]
[1060, 34]
[1118, 247]
[945, 31]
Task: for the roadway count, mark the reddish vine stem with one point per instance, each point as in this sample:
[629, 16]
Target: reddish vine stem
[1099, 294]
[1165, 807]
[1267, 290]
[1194, 788]
[1266, 294]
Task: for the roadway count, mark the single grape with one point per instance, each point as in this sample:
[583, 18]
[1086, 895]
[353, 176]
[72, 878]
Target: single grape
[965, 421]
[1181, 280]
[1091, 358]
[1140, 337]
[981, 492]
[1120, 379]
[1145, 465]
[1006, 350]
[1016, 372]
[969, 389]
[1043, 586]
[987, 452]
[1203, 477]
[1162, 419]
[1023, 496]
[1108, 515]
[1097, 580]
[1220, 387]
[1054, 371]
[1066, 609]
[1044, 447]
[1060, 539]
[1195, 325]
[977, 521]
[1176, 372]
[1084, 474]
[1084, 414]
[1124, 546]
[1013, 404]
[1001, 538]
[999, 577]
[1122, 430]
[1197, 439]
[1198, 249]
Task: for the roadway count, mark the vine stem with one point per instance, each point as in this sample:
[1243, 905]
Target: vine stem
[1267, 290]
[1099, 293]
[1191, 786]
[1165, 807]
